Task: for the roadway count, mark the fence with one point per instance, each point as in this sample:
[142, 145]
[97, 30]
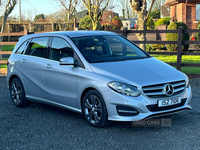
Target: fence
[37, 26]
[125, 32]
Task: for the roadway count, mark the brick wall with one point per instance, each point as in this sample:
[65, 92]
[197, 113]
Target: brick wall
[173, 13]
[182, 13]
[191, 15]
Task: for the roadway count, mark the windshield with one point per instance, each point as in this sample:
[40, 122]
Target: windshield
[108, 48]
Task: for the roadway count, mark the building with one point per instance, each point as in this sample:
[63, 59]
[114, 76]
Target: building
[184, 11]
[164, 11]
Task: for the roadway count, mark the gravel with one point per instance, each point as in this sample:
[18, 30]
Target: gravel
[41, 126]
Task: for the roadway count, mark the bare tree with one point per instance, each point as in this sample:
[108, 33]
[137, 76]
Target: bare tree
[8, 9]
[70, 7]
[30, 14]
[95, 10]
[156, 6]
[59, 18]
[140, 8]
[125, 7]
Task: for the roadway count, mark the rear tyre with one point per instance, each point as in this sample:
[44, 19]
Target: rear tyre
[17, 93]
[94, 109]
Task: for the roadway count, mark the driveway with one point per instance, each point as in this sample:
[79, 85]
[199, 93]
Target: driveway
[41, 126]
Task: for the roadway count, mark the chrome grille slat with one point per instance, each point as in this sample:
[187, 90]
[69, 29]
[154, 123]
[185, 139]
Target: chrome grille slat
[157, 90]
[155, 93]
[153, 88]
[178, 84]
[178, 89]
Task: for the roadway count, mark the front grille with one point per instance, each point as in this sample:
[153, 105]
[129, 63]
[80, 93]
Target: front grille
[156, 91]
[154, 108]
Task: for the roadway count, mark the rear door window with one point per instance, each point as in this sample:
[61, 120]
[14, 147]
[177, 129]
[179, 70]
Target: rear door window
[60, 49]
[37, 47]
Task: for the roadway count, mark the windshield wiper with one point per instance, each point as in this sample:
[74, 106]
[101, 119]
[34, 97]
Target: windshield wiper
[144, 57]
[116, 60]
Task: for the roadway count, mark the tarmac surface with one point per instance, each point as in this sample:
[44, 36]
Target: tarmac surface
[40, 126]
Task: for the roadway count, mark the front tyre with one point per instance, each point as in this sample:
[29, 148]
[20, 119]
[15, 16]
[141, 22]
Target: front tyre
[94, 109]
[17, 93]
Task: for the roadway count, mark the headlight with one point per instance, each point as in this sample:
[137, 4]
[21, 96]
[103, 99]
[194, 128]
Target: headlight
[187, 80]
[124, 89]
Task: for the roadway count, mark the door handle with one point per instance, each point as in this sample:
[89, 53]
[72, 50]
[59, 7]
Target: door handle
[48, 66]
[23, 61]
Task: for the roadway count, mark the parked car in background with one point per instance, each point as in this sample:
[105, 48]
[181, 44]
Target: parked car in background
[100, 74]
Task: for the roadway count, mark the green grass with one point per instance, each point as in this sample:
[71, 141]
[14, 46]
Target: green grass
[185, 59]
[173, 58]
[190, 70]
[3, 66]
[8, 47]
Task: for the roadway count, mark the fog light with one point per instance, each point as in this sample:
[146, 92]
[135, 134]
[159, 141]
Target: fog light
[126, 111]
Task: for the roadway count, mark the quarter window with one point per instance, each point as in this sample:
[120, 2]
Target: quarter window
[60, 49]
[37, 47]
[21, 48]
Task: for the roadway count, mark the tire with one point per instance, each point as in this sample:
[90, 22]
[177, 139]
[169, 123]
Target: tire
[17, 93]
[94, 109]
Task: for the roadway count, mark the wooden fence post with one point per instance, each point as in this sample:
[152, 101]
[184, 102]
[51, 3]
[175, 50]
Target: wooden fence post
[26, 32]
[179, 50]
[124, 32]
[158, 36]
[75, 23]
[52, 26]
[8, 32]
[145, 41]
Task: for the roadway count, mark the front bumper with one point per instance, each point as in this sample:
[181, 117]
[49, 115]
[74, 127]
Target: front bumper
[114, 101]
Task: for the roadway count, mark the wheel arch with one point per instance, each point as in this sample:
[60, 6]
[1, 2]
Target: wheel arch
[12, 77]
[83, 94]
[105, 121]
[87, 90]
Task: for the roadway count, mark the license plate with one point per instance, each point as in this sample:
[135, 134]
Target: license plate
[169, 102]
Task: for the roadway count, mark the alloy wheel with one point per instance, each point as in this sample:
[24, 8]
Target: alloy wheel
[16, 92]
[93, 109]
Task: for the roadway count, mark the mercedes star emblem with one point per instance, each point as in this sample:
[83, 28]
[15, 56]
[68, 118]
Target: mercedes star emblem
[168, 90]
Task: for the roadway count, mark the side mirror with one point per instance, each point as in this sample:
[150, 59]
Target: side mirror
[67, 61]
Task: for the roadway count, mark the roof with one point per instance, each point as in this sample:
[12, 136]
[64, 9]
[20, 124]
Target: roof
[71, 34]
[82, 33]
[174, 2]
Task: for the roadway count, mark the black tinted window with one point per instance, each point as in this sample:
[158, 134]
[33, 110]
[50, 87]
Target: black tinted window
[21, 49]
[108, 48]
[37, 47]
[60, 49]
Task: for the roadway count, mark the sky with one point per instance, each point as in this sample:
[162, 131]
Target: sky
[35, 7]
[38, 7]
[197, 12]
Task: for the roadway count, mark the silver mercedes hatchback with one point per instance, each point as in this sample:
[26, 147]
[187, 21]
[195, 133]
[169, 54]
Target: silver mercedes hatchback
[100, 74]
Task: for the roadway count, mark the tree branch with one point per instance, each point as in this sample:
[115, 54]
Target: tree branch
[8, 9]
[63, 4]
[152, 2]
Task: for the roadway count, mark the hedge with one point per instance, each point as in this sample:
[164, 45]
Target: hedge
[174, 36]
